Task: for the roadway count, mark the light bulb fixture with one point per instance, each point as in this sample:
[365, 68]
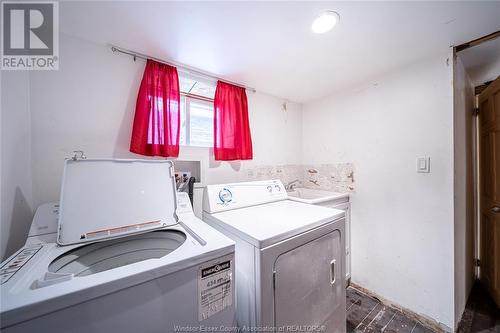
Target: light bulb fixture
[325, 22]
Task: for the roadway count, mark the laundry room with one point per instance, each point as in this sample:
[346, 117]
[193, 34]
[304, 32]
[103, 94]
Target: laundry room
[232, 166]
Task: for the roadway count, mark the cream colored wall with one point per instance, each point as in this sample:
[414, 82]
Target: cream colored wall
[402, 221]
[16, 163]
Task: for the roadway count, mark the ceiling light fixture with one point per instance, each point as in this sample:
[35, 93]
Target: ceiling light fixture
[325, 22]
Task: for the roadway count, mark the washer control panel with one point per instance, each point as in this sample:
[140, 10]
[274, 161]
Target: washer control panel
[14, 264]
[218, 198]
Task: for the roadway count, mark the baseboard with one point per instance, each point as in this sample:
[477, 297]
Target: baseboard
[422, 319]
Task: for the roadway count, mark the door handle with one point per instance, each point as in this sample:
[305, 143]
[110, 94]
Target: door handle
[495, 209]
[333, 276]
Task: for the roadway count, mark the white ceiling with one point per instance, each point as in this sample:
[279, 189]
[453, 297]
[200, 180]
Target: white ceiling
[482, 62]
[269, 45]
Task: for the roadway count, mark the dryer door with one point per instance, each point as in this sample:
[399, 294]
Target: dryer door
[309, 285]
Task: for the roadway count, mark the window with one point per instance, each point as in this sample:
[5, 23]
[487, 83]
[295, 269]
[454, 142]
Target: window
[197, 122]
[197, 112]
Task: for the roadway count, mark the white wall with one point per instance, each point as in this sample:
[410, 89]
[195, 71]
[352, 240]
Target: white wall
[16, 183]
[89, 105]
[488, 72]
[463, 96]
[402, 221]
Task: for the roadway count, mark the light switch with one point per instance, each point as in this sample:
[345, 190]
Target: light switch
[423, 164]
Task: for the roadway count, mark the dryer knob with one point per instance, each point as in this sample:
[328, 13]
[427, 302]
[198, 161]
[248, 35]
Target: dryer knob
[225, 195]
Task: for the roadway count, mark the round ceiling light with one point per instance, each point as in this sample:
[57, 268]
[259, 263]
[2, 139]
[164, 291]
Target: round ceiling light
[325, 22]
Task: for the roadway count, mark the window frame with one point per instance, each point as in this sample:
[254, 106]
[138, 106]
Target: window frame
[188, 98]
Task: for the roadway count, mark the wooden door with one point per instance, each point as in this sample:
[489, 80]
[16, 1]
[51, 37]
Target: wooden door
[489, 168]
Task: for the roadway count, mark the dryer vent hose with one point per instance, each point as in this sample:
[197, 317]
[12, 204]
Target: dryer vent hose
[191, 182]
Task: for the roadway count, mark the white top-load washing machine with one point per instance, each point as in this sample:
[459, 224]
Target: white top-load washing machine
[120, 254]
[290, 263]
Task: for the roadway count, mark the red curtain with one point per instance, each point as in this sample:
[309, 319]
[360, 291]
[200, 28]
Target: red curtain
[156, 126]
[232, 139]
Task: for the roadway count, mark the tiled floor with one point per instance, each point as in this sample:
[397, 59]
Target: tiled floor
[367, 314]
[481, 313]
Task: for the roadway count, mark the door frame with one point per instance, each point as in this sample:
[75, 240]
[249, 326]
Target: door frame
[476, 132]
[477, 191]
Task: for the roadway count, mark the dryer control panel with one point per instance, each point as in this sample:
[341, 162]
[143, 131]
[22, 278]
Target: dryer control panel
[222, 197]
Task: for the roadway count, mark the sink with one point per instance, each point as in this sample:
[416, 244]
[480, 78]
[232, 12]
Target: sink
[311, 196]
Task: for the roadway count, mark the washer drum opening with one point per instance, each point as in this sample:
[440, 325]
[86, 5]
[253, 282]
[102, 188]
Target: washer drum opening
[102, 256]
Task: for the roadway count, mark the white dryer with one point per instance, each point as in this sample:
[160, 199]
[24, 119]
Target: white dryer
[118, 255]
[290, 263]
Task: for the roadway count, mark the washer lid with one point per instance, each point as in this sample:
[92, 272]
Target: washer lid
[102, 199]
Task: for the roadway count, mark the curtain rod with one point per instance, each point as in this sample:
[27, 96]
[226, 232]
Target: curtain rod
[183, 68]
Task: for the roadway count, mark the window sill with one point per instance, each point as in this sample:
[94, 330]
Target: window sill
[189, 146]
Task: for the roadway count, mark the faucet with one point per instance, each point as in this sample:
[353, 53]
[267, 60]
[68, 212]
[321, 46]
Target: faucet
[290, 186]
